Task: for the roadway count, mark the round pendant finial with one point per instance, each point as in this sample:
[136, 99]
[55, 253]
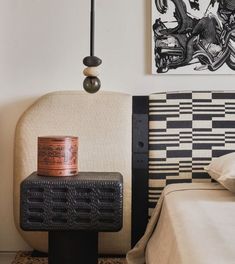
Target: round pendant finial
[91, 84]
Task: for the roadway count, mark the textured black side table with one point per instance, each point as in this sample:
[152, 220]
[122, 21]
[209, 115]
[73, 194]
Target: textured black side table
[73, 210]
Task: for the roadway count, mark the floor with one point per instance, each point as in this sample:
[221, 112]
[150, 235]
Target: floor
[6, 257]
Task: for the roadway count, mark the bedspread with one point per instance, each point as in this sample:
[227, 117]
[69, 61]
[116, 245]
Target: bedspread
[193, 223]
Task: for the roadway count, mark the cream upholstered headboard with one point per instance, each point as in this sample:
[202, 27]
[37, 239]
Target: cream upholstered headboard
[103, 124]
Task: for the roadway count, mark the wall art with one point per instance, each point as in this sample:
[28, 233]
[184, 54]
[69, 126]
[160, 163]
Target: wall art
[193, 36]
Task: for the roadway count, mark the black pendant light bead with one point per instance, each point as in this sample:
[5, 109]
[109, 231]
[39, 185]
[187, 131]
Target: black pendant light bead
[92, 61]
[91, 84]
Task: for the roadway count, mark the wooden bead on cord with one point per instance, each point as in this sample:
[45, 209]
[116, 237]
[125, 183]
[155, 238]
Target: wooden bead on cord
[91, 72]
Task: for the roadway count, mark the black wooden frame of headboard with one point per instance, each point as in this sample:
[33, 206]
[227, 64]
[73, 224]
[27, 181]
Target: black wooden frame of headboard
[140, 147]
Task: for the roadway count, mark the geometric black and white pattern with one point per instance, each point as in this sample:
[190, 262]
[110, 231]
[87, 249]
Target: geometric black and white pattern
[186, 131]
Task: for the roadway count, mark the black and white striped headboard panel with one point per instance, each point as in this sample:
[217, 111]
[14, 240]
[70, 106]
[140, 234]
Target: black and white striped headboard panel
[186, 131]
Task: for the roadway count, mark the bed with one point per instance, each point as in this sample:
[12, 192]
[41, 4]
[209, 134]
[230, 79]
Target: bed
[193, 221]
[174, 135]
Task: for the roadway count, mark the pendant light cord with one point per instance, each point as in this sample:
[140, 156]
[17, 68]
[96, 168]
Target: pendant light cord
[92, 29]
[92, 83]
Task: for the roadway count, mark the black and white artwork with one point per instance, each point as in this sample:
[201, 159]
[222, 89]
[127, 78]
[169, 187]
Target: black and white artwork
[193, 36]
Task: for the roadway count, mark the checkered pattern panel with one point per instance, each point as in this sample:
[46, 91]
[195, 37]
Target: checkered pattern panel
[186, 131]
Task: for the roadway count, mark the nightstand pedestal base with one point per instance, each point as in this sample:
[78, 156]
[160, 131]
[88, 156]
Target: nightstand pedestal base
[73, 247]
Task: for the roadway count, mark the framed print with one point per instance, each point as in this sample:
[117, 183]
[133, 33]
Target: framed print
[193, 36]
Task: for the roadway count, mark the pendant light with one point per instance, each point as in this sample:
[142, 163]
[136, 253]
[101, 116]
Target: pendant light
[92, 83]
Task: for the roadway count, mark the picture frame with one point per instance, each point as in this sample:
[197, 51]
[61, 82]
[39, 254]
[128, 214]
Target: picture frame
[193, 36]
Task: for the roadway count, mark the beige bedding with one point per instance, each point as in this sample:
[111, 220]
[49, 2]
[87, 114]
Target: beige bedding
[192, 224]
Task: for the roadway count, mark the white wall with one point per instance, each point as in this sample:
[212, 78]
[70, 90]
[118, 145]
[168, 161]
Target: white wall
[42, 44]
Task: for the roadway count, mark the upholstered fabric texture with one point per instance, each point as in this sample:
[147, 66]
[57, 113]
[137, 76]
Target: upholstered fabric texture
[222, 169]
[187, 130]
[103, 124]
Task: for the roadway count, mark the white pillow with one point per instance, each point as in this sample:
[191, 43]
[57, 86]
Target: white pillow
[222, 169]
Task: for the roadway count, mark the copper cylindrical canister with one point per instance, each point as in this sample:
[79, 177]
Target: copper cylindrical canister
[57, 156]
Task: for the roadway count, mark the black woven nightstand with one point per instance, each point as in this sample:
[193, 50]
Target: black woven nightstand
[73, 210]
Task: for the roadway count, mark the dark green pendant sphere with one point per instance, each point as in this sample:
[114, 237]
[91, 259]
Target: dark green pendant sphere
[91, 84]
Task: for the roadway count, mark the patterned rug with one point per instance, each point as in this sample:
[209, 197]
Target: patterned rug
[25, 258]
